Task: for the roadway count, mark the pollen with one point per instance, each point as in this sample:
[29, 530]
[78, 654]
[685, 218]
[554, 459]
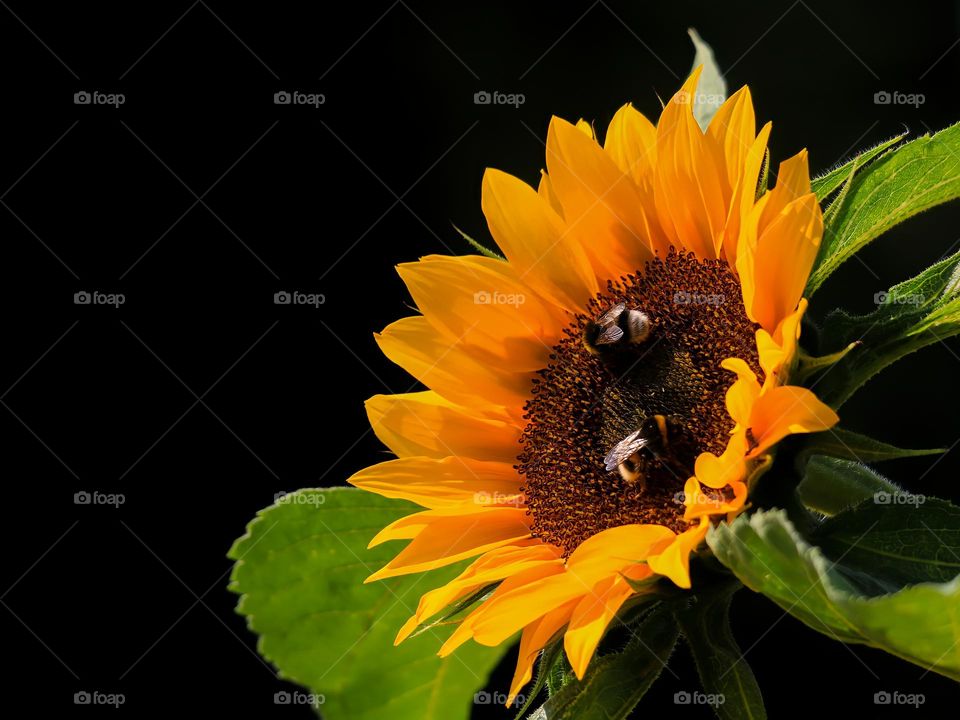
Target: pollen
[583, 403]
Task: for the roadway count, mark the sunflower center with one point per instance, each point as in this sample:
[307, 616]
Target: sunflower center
[633, 393]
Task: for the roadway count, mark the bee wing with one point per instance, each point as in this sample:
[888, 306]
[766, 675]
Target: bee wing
[611, 315]
[625, 448]
[609, 335]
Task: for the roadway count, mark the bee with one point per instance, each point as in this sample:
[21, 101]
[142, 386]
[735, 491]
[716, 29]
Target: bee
[656, 440]
[618, 327]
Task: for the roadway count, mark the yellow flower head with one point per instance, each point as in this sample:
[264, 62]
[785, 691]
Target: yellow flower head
[603, 394]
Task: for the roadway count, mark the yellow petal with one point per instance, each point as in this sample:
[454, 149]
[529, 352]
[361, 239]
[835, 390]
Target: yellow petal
[534, 239]
[787, 410]
[546, 192]
[732, 133]
[603, 208]
[586, 128]
[699, 503]
[785, 254]
[632, 143]
[744, 195]
[437, 361]
[533, 577]
[409, 526]
[777, 351]
[446, 540]
[674, 561]
[793, 182]
[602, 555]
[535, 637]
[425, 424]
[591, 617]
[486, 309]
[492, 567]
[689, 199]
[730, 467]
[742, 395]
[442, 483]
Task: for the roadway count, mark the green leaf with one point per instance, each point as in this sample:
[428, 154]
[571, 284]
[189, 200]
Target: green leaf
[712, 89]
[848, 445]
[825, 184]
[919, 623]
[723, 669]
[831, 485]
[911, 315]
[615, 683]
[903, 182]
[896, 537]
[299, 571]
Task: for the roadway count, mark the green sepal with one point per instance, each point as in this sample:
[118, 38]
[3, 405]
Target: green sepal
[616, 682]
[724, 672]
[479, 247]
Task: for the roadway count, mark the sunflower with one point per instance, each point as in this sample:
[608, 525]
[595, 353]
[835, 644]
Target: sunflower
[649, 282]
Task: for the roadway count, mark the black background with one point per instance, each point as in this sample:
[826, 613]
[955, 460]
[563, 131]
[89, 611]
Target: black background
[199, 198]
